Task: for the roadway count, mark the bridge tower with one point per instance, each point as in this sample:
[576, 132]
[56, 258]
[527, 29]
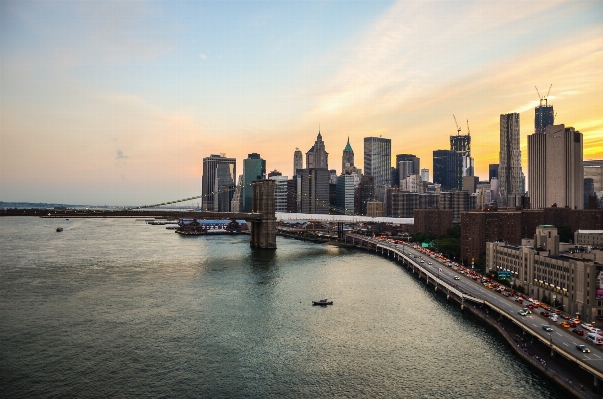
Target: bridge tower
[263, 231]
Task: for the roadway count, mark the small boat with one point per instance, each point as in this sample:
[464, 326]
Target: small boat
[59, 229]
[323, 302]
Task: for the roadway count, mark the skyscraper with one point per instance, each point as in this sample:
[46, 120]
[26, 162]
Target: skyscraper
[509, 169]
[315, 190]
[493, 171]
[345, 194]
[378, 162]
[298, 161]
[445, 168]
[317, 157]
[224, 187]
[405, 169]
[254, 168]
[347, 159]
[208, 180]
[416, 168]
[544, 116]
[461, 145]
[555, 168]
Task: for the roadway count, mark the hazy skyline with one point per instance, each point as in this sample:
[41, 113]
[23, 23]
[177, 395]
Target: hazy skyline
[118, 102]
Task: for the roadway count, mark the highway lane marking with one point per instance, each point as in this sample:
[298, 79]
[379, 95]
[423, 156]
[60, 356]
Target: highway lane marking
[565, 344]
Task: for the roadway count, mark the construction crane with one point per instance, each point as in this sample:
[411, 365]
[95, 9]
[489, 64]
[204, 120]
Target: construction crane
[458, 129]
[545, 98]
[468, 131]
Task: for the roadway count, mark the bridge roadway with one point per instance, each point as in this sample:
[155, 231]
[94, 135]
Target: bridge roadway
[148, 213]
[559, 340]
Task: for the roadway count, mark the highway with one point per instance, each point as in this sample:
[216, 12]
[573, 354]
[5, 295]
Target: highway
[562, 339]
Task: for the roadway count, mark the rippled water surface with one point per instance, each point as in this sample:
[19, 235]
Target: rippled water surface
[118, 308]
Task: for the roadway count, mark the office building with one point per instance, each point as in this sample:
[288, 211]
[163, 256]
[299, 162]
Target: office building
[402, 204]
[365, 192]
[492, 171]
[457, 201]
[345, 191]
[317, 157]
[378, 162]
[298, 161]
[565, 275]
[224, 187]
[593, 169]
[412, 183]
[237, 197]
[415, 169]
[589, 191]
[280, 191]
[444, 168]
[470, 183]
[254, 168]
[556, 168]
[509, 170]
[461, 145]
[294, 194]
[315, 190]
[208, 180]
[425, 175]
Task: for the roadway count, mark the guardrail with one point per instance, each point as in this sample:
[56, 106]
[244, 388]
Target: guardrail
[560, 350]
[430, 276]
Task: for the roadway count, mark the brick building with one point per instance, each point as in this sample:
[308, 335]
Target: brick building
[433, 220]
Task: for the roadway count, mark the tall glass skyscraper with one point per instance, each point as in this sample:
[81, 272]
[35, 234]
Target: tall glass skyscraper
[509, 167]
[254, 168]
[445, 168]
[378, 162]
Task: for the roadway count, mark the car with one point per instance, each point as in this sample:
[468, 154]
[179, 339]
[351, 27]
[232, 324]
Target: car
[527, 310]
[587, 326]
[546, 327]
[457, 278]
[578, 331]
[430, 263]
[565, 324]
[567, 317]
[583, 348]
[572, 324]
[522, 313]
[545, 313]
[422, 261]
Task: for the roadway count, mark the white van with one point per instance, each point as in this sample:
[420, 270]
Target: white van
[554, 317]
[594, 338]
[596, 331]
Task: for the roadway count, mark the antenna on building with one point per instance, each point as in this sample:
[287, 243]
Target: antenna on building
[545, 98]
[458, 129]
[468, 131]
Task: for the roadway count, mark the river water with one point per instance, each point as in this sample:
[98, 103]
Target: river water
[119, 308]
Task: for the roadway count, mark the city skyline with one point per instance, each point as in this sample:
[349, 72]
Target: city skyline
[118, 103]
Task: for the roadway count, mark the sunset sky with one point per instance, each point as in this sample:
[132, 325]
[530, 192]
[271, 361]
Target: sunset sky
[117, 102]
